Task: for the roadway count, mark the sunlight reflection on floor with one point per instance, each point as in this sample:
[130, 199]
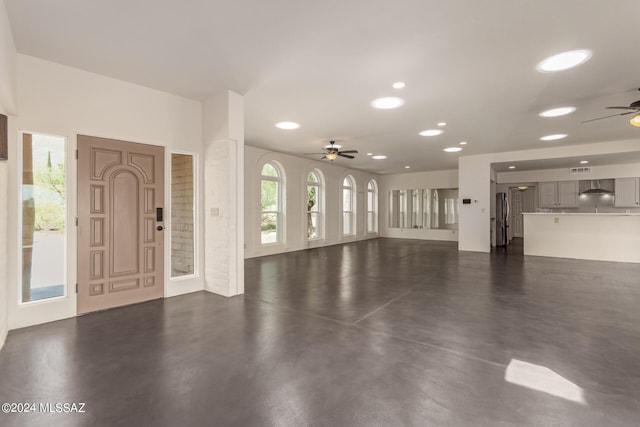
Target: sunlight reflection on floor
[543, 379]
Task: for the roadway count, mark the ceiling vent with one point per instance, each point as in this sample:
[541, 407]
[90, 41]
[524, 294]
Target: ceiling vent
[580, 171]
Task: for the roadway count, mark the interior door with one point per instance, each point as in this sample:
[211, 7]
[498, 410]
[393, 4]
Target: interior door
[120, 223]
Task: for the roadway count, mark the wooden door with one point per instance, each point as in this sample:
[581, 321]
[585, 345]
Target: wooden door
[120, 228]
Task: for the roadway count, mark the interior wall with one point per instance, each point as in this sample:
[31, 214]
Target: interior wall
[223, 139]
[65, 101]
[414, 180]
[7, 107]
[296, 170]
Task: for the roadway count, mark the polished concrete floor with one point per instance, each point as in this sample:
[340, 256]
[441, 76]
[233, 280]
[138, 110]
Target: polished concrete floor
[378, 333]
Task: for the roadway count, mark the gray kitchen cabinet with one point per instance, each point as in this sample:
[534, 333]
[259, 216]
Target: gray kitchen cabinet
[627, 193]
[558, 194]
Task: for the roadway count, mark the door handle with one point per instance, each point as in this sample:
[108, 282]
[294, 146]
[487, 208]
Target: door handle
[159, 228]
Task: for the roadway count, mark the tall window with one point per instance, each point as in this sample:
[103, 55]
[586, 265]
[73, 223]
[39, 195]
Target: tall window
[314, 205]
[402, 202]
[426, 208]
[372, 207]
[43, 217]
[271, 204]
[415, 209]
[182, 215]
[348, 207]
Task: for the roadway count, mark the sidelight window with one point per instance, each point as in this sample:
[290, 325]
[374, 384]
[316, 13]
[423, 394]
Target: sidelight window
[182, 215]
[43, 213]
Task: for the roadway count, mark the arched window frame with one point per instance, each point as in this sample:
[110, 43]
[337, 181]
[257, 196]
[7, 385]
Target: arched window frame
[273, 214]
[348, 206]
[314, 213]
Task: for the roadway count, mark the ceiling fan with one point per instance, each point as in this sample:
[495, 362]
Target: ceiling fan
[634, 107]
[331, 152]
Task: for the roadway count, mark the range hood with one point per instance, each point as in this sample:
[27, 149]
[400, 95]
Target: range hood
[597, 186]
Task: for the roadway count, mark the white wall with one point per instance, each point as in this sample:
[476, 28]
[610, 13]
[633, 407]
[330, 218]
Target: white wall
[64, 101]
[223, 139]
[7, 107]
[415, 180]
[296, 170]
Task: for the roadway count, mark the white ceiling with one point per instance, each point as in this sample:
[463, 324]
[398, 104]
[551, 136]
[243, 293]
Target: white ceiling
[465, 62]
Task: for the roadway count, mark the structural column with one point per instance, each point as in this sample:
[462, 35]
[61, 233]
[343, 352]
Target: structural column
[223, 139]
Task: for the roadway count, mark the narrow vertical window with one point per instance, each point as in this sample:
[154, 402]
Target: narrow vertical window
[426, 208]
[314, 206]
[372, 207]
[43, 217]
[270, 202]
[416, 220]
[402, 202]
[182, 215]
[348, 207]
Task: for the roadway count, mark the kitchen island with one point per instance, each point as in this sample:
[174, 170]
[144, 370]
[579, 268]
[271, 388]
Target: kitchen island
[592, 236]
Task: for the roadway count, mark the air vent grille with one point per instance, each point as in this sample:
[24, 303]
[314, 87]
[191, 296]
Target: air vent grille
[580, 171]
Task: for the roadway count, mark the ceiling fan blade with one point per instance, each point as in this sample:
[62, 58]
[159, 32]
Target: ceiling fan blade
[350, 151]
[323, 157]
[623, 108]
[346, 155]
[606, 117]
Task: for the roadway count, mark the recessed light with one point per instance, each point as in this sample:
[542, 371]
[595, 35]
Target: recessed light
[452, 149]
[379, 157]
[287, 125]
[463, 142]
[387, 103]
[512, 167]
[431, 132]
[564, 61]
[584, 162]
[407, 167]
[369, 154]
[399, 85]
[554, 137]
[442, 124]
[556, 112]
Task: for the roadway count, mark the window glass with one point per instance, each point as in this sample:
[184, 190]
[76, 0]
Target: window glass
[313, 206]
[270, 204]
[43, 219]
[182, 215]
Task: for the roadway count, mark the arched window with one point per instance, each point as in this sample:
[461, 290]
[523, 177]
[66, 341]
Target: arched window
[348, 206]
[271, 204]
[314, 205]
[372, 207]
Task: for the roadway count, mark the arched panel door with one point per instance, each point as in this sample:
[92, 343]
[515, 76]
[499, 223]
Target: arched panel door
[120, 223]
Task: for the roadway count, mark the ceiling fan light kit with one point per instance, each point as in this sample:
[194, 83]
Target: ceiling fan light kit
[635, 120]
[332, 152]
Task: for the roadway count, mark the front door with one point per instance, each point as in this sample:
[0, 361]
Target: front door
[120, 223]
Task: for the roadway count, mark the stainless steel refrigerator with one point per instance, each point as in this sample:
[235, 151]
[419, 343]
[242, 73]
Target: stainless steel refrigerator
[502, 216]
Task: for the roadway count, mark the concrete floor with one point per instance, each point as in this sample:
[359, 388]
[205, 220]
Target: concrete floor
[378, 333]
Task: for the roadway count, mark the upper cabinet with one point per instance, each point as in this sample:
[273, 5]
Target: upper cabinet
[558, 194]
[627, 193]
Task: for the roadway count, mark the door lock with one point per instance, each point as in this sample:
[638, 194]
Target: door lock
[159, 228]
